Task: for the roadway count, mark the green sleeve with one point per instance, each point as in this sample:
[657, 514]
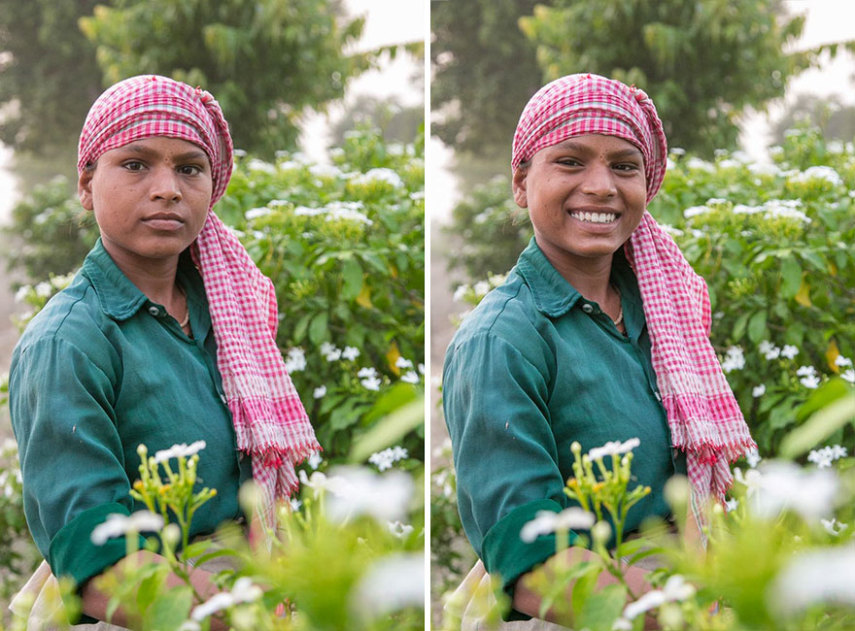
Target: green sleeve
[72, 463]
[505, 453]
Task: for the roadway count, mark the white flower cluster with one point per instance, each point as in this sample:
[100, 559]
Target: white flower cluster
[411, 376]
[844, 362]
[118, 525]
[613, 448]
[354, 491]
[369, 378]
[545, 522]
[821, 575]
[379, 175]
[778, 486]
[809, 378]
[336, 210]
[182, 450]
[823, 173]
[295, 359]
[676, 589]
[393, 582]
[243, 591]
[385, 459]
[734, 359]
[823, 458]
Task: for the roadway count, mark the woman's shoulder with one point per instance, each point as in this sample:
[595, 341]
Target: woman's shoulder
[508, 312]
[73, 315]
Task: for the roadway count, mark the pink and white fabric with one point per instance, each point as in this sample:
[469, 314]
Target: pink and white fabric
[270, 422]
[703, 415]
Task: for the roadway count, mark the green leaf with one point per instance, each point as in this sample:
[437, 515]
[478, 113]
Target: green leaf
[739, 327]
[757, 327]
[171, 608]
[602, 608]
[318, 330]
[389, 430]
[351, 274]
[791, 277]
[819, 427]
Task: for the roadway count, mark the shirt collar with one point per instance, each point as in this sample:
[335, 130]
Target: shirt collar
[119, 297]
[553, 296]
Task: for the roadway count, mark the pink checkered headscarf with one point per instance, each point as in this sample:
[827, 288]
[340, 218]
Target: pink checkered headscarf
[703, 415]
[270, 422]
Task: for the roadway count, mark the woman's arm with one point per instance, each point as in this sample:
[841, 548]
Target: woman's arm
[95, 601]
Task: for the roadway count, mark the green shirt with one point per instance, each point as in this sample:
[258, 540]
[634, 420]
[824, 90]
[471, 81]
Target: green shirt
[98, 371]
[533, 368]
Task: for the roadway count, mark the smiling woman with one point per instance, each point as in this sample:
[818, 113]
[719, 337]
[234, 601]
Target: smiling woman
[599, 334]
[166, 336]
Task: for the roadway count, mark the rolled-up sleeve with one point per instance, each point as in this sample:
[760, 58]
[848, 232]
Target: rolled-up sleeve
[495, 400]
[61, 402]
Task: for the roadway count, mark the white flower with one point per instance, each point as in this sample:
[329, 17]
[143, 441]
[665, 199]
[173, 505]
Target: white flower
[371, 383]
[481, 288]
[22, 292]
[823, 458]
[366, 373]
[411, 377]
[350, 353]
[244, 591]
[182, 450]
[822, 575]
[545, 522]
[675, 589]
[360, 491]
[255, 213]
[753, 458]
[255, 164]
[613, 448]
[330, 352]
[769, 350]
[758, 391]
[391, 583]
[849, 375]
[841, 361]
[734, 359]
[784, 486]
[811, 382]
[190, 625]
[295, 504]
[832, 526]
[399, 530]
[824, 173]
[43, 289]
[118, 525]
[380, 175]
[459, 293]
[295, 360]
[789, 351]
[215, 603]
[319, 392]
[314, 460]
[385, 459]
[731, 504]
[403, 363]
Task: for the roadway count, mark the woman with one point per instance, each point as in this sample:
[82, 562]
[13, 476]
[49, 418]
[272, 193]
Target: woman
[600, 333]
[165, 336]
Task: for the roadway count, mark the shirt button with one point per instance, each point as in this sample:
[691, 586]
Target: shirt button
[588, 308]
[154, 311]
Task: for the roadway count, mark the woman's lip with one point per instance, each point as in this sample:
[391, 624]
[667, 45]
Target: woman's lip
[167, 223]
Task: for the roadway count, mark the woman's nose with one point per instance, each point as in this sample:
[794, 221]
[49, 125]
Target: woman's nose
[599, 181]
[165, 185]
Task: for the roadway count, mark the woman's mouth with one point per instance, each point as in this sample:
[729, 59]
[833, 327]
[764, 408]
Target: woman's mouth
[594, 217]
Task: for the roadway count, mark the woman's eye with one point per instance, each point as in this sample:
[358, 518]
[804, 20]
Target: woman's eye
[133, 165]
[189, 169]
[570, 162]
[627, 167]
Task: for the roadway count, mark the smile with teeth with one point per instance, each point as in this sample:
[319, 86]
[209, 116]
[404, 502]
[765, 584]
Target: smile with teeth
[594, 217]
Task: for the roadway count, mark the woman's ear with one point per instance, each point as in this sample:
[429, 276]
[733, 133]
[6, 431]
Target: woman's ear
[518, 185]
[84, 188]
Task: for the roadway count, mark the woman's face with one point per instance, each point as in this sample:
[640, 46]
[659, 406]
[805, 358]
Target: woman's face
[150, 199]
[585, 197]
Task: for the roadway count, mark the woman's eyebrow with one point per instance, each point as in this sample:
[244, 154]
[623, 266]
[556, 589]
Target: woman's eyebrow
[629, 152]
[193, 154]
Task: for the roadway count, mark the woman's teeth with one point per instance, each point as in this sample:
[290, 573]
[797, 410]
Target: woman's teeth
[596, 217]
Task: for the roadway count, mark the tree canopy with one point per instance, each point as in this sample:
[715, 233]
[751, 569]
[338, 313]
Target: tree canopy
[265, 61]
[702, 62]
